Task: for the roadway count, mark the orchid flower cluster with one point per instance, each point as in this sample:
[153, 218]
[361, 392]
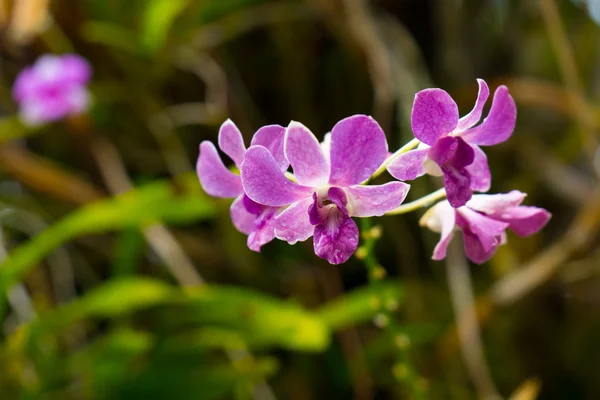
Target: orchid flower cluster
[328, 183]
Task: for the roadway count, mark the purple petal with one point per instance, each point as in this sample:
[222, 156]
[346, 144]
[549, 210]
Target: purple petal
[452, 150]
[251, 206]
[453, 155]
[358, 147]
[265, 183]
[524, 220]
[264, 229]
[481, 178]
[495, 204]
[293, 224]
[376, 200]
[457, 183]
[231, 142]
[338, 197]
[487, 230]
[303, 150]
[48, 68]
[215, 178]
[337, 238]
[499, 124]
[241, 218]
[317, 214]
[474, 116]
[474, 249]
[440, 218]
[25, 85]
[78, 99]
[272, 137]
[409, 165]
[75, 69]
[434, 115]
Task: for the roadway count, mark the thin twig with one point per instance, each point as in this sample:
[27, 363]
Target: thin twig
[162, 241]
[568, 69]
[363, 26]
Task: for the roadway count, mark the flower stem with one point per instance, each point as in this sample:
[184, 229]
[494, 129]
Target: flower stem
[419, 203]
[403, 369]
[408, 146]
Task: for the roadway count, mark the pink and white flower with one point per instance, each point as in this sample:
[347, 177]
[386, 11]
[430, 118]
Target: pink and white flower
[450, 146]
[483, 222]
[253, 219]
[328, 191]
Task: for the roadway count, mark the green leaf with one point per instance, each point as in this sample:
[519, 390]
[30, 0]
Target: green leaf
[12, 128]
[110, 35]
[361, 305]
[236, 314]
[157, 20]
[262, 319]
[115, 298]
[128, 252]
[183, 202]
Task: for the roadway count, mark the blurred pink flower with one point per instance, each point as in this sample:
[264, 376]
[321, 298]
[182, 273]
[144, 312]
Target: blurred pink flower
[52, 88]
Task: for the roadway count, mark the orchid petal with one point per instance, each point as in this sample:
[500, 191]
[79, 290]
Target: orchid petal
[338, 197]
[525, 220]
[481, 178]
[452, 150]
[241, 218]
[231, 142]
[272, 138]
[494, 204]
[474, 249]
[75, 69]
[215, 178]
[264, 230]
[293, 224]
[337, 238]
[474, 116]
[251, 206]
[487, 230]
[303, 150]
[498, 125]
[440, 218]
[265, 183]
[25, 85]
[358, 148]
[376, 200]
[317, 213]
[409, 165]
[453, 155]
[434, 114]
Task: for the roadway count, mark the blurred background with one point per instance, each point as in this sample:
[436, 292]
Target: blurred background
[121, 279]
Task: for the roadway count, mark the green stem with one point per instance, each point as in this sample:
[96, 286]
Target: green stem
[408, 146]
[419, 203]
[403, 369]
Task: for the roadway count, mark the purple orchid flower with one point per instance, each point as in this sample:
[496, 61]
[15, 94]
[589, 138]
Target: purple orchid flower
[52, 88]
[329, 190]
[483, 221]
[450, 146]
[253, 219]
